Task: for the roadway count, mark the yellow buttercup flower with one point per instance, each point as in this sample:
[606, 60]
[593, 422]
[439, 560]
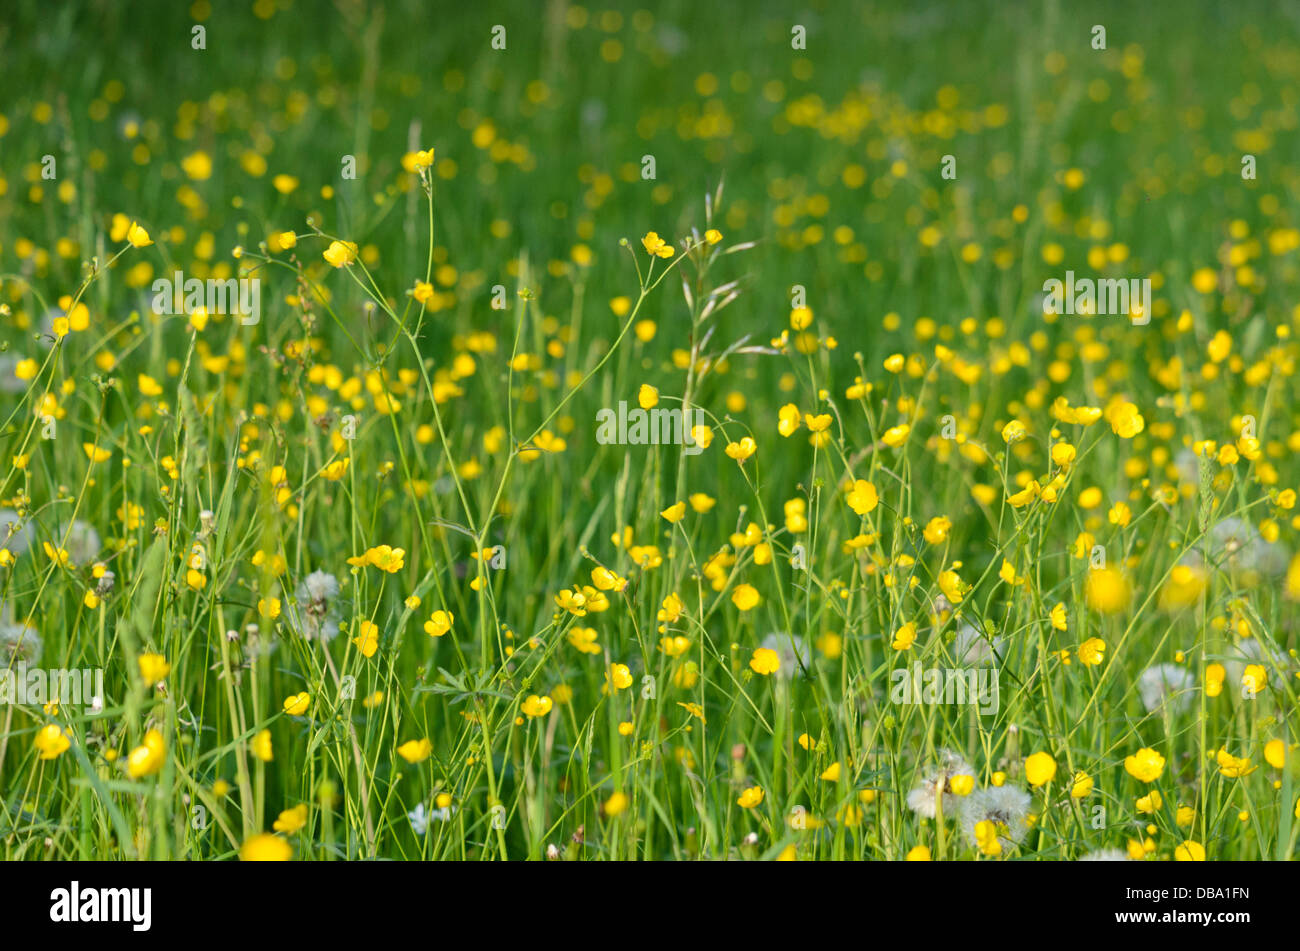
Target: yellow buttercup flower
[137, 236]
[1145, 765]
[765, 661]
[367, 639]
[675, 512]
[384, 557]
[439, 623]
[1126, 421]
[656, 246]
[745, 597]
[618, 676]
[1040, 768]
[862, 497]
[615, 804]
[415, 751]
[340, 253]
[1092, 652]
[291, 820]
[147, 758]
[1106, 590]
[265, 847]
[297, 704]
[153, 668]
[904, 637]
[740, 451]
[535, 706]
[51, 742]
[750, 798]
[1233, 767]
[260, 746]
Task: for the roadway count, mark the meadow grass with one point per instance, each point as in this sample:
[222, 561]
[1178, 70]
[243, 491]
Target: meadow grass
[362, 578]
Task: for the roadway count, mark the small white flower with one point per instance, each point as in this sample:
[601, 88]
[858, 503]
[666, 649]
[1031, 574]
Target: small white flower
[419, 820]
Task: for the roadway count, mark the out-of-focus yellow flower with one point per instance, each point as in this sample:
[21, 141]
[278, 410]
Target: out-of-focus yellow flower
[51, 741]
[745, 597]
[1106, 590]
[415, 751]
[260, 746]
[291, 820]
[535, 706]
[147, 758]
[367, 639]
[265, 847]
[153, 668]
[615, 804]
